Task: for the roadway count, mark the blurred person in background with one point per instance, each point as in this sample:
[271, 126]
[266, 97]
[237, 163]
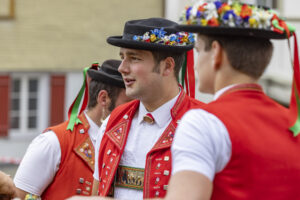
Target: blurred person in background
[60, 162]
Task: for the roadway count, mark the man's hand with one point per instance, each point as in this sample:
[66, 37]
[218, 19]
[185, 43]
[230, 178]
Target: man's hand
[7, 187]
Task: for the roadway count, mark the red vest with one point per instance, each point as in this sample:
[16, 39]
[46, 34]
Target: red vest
[158, 160]
[75, 173]
[265, 160]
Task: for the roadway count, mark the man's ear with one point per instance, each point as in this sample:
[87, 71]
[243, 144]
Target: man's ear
[169, 65]
[103, 98]
[216, 54]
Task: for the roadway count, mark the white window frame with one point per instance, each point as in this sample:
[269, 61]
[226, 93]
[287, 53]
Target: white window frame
[42, 105]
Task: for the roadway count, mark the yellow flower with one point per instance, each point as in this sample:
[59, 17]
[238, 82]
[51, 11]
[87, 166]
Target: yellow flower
[253, 23]
[152, 37]
[203, 22]
[185, 39]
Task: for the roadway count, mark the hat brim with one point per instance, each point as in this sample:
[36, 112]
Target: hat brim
[232, 31]
[132, 44]
[106, 78]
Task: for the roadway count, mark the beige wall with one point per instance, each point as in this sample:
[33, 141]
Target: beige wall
[61, 35]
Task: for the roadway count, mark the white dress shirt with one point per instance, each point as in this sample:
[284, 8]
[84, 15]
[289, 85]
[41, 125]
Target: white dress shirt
[42, 159]
[142, 137]
[201, 143]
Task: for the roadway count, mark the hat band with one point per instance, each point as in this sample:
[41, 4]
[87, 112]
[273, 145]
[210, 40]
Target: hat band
[159, 36]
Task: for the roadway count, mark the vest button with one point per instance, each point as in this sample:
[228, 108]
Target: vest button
[81, 180]
[166, 172]
[157, 180]
[78, 191]
[156, 193]
[158, 166]
[166, 158]
[165, 187]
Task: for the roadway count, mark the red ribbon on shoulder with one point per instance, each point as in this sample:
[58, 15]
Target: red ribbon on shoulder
[188, 74]
[295, 101]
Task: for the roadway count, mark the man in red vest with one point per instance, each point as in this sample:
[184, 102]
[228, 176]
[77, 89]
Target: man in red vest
[134, 158]
[239, 146]
[60, 162]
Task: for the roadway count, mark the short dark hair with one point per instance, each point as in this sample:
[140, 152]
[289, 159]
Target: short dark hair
[96, 86]
[178, 59]
[248, 55]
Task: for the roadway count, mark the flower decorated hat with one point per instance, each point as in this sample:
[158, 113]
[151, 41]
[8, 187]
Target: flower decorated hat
[234, 18]
[153, 34]
[158, 34]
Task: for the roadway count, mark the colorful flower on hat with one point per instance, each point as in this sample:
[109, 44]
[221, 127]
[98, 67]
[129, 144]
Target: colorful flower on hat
[233, 14]
[213, 22]
[229, 18]
[159, 32]
[211, 11]
[246, 12]
[159, 36]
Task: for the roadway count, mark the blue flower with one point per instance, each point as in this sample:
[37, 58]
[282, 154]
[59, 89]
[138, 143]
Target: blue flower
[188, 13]
[228, 13]
[135, 37]
[191, 38]
[160, 33]
[199, 14]
[218, 4]
[173, 37]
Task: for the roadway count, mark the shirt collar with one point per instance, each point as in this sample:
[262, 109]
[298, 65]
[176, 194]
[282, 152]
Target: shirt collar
[161, 115]
[221, 91]
[93, 130]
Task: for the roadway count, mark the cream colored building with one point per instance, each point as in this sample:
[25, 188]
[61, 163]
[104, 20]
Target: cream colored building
[44, 47]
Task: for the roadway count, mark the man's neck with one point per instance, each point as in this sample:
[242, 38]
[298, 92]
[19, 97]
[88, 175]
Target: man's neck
[94, 115]
[166, 96]
[233, 77]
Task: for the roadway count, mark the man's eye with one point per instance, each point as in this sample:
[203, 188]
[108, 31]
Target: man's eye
[135, 58]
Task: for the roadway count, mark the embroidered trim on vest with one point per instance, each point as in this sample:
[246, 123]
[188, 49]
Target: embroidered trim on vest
[177, 105]
[118, 133]
[84, 121]
[166, 138]
[130, 177]
[86, 151]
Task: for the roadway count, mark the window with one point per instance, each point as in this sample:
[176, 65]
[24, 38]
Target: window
[29, 105]
[268, 3]
[15, 104]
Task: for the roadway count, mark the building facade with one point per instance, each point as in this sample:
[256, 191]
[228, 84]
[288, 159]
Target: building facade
[44, 47]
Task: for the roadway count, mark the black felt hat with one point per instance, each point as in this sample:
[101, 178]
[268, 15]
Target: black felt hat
[107, 73]
[153, 34]
[234, 19]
